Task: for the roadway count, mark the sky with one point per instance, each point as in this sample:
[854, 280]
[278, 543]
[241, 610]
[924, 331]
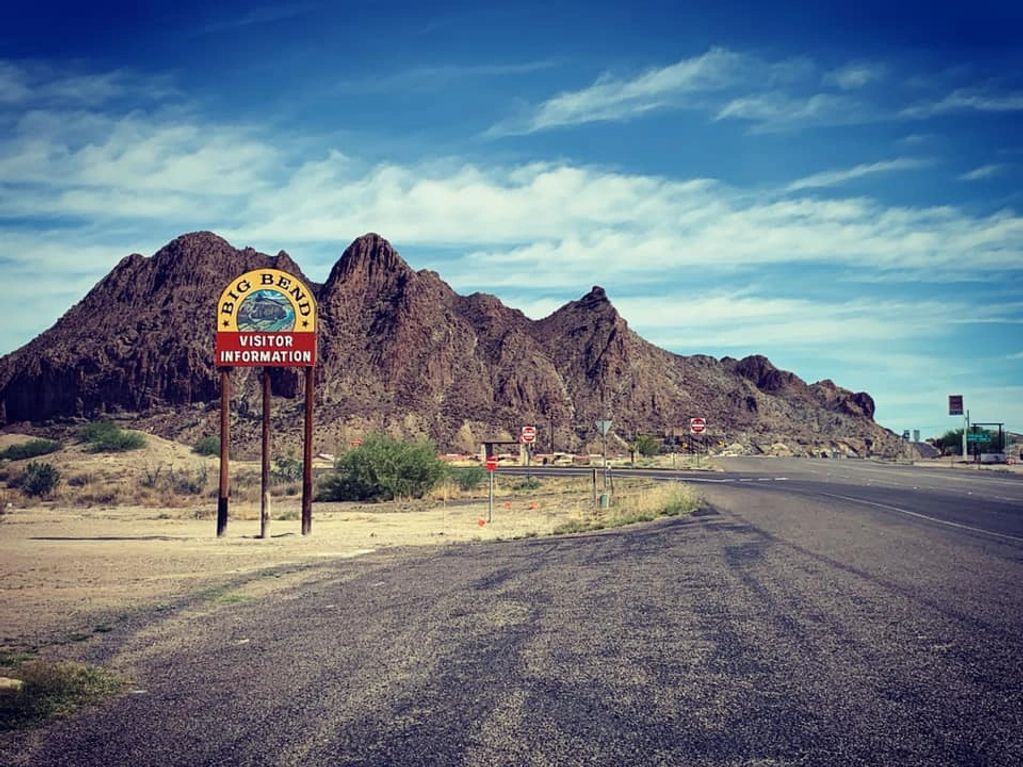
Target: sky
[835, 186]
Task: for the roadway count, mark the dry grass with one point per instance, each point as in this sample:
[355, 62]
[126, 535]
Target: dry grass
[51, 689]
[634, 502]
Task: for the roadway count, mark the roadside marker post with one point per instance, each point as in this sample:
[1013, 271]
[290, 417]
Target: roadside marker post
[491, 470]
[604, 426]
[697, 426]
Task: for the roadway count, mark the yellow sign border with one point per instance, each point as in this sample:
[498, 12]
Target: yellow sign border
[288, 285]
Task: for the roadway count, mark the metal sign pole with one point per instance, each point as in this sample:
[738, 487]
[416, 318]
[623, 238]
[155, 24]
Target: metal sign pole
[307, 456]
[264, 507]
[490, 499]
[225, 440]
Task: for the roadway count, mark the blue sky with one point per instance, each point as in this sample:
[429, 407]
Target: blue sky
[836, 188]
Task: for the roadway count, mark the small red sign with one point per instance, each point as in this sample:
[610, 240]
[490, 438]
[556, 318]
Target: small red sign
[492, 463]
[697, 425]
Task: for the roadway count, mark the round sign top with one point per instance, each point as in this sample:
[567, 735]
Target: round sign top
[529, 430]
[697, 425]
[266, 301]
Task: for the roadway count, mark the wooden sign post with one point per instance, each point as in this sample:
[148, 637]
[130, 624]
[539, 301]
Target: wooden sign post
[265, 318]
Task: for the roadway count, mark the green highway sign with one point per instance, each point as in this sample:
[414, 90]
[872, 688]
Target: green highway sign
[978, 437]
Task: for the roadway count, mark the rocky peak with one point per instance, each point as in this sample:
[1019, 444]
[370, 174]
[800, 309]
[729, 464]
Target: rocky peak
[370, 260]
[764, 375]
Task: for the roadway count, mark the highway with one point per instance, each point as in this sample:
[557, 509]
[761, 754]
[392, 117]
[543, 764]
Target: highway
[815, 612]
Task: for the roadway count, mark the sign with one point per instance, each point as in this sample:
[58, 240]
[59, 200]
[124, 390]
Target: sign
[603, 427]
[955, 404]
[980, 436]
[528, 435]
[266, 318]
[905, 434]
[697, 425]
[491, 463]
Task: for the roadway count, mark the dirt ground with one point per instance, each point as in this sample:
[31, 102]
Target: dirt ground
[60, 568]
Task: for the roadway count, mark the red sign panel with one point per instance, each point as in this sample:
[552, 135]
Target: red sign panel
[697, 425]
[955, 404]
[492, 463]
[266, 349]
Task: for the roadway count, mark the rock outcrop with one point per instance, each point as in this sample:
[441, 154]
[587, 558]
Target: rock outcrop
[400, 351]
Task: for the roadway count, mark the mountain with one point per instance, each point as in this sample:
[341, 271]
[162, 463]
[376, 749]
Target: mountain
[400, 351]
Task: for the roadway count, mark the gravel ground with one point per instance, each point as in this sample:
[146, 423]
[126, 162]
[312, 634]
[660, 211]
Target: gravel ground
[776, 629]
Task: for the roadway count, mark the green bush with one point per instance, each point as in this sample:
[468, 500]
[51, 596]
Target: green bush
[39, 479]
[383, 469]
[528, 484]
[108, 437]
[469, 477]
[30, 449]
[647, 446]
[286, 469]
[207, 446]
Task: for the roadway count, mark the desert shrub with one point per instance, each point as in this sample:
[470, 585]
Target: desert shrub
[108, 437]
[383, 469]
[647, 446]
[31, 449]
[527, 484]
[39, 479]
[207, 446]
[175, 481]
[286, 469]
[468, 477]
[187, 483]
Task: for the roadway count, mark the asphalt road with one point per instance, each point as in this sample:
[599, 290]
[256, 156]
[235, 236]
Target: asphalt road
[822, 612]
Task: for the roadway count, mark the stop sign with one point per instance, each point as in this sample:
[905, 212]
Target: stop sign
[697, 425]
[492, 463]
[528, 435]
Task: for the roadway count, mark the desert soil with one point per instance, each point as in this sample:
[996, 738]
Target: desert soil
[64, 572]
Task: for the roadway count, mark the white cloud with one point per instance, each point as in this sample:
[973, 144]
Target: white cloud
[776, 110]
[983, 172]
[429, 78]
[855, 76]
[968, 99]
[747, 320]
[837, 177]
[615, 98]
[260, 15]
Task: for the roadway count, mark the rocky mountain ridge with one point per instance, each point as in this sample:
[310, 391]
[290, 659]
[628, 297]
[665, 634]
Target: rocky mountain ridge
[400, 351]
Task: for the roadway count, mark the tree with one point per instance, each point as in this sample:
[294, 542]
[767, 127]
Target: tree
[646, 445]
[382, 469]
[950, 443]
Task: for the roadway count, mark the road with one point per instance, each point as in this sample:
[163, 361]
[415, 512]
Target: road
[820, 612]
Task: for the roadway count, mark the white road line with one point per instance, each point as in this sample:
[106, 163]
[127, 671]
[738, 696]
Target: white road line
[928, 518]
